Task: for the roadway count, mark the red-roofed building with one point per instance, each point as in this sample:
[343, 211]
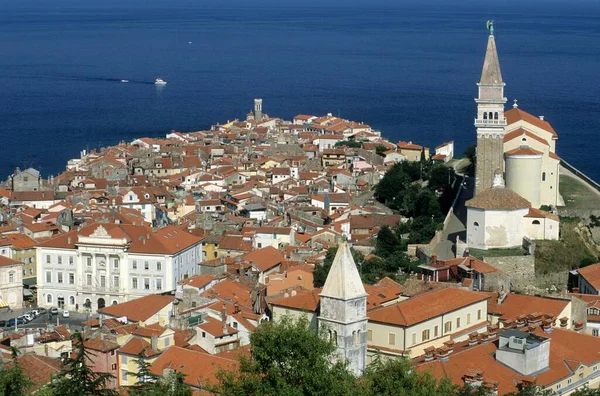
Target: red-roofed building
[105, 264]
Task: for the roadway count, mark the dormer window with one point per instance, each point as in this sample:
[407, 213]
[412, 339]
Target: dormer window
[147, 196]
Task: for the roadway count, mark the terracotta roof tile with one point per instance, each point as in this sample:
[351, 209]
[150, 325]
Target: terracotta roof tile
[140, 309]
[425, 306]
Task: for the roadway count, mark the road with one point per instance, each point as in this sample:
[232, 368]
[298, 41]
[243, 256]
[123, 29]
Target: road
[74, 321]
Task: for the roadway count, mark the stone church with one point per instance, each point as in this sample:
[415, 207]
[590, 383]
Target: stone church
[517, 169]
[520, 144]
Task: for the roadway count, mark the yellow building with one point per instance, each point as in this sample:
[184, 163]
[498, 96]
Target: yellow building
[412, 151]
[424, 321]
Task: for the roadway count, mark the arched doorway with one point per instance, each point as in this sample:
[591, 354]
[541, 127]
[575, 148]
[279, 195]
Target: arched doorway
[101, 303]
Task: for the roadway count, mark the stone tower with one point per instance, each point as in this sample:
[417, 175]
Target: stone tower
[258, 109]
[490, 121]
[344, 310]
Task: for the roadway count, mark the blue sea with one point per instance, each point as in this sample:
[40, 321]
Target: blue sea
[408, 68]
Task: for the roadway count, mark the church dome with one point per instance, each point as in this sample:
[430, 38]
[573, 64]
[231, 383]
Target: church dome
[498, 199]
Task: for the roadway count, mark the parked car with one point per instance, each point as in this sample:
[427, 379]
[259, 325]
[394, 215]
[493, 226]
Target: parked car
[65, 314]
[3, 323]
[28, 316]
[36, 312]
[23, 318]
[19, 320]
[54, 311]
[41, 310]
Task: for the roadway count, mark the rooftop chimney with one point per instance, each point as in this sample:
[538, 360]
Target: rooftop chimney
[224, 318]
[542, 118]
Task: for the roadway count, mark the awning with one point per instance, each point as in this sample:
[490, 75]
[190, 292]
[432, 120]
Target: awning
[27, 293]
[30, 281]
[4, 304]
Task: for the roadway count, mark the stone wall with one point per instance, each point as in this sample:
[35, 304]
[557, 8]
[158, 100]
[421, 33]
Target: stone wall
[521, 270]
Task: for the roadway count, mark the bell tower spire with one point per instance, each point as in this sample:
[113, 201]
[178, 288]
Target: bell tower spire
[490, 121]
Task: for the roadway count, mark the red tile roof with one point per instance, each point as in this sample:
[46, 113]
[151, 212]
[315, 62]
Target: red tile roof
[591, 274]
[425, 306]
[140, 309]
[516, 114]
[199, 368]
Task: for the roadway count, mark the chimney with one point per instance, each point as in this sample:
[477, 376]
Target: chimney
[483, 337]
[491, 387]
[450, 345]
[473, 338]
[521, 321]
[542, 117]
[69, 240]
[224, 318]
[236, 307]
[429, 354]
[578, 326]
[154, 343]
[564, 322]
[492, 331]
[575, 290]
[547, 325]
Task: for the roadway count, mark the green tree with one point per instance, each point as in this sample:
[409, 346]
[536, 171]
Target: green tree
[381, 149]
[145, 380]
[586, 392]
[399, 377]
[470, 154]
[77, 378]
[289, 359]
[13, 382]
[349, 143]
[387, 243]
[320, 272]
[171, 384]
[532, 390]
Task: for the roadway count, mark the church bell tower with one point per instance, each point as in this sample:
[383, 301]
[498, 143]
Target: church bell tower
[490, 121]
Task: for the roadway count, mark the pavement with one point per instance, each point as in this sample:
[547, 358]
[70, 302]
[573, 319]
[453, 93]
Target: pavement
[74, 321]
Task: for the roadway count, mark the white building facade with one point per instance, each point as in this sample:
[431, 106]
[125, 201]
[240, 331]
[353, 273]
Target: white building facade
[104, 264]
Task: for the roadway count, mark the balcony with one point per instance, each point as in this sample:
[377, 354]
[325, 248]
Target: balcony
[500, 122]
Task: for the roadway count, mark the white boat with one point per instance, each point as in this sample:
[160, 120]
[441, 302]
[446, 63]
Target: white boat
[159, 81]
[125, 81]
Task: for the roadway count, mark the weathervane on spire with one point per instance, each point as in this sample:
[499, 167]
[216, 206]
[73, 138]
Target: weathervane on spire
[490, 26]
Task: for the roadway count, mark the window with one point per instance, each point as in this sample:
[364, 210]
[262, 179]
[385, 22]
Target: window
[569, 381]
[536, 222]
[102, 281]
[71, 300]
[425, 335]
[158, 266]
[259, 245]
[369, 335]
[59, 259]
[11, 277]
[134, 283]
[168, 341]
[203, 334]
[116, 263]
[48, 277]
[479, 314]
[89, 261]
[235, 325]
[116, 282]
[71, 278]
[448, 327]
[147, 283]
[47, 259]
[558, 386]
[458, 323]
[124, 372]
[114, 365]
[49, 298]
[475, 224]
[468, 318]
[88, 279]
[159, 284]
[146, 265]
[70, 260]
[435, 331]
[414, 338]
[543, 176]
[134, 264]
[392, 339]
